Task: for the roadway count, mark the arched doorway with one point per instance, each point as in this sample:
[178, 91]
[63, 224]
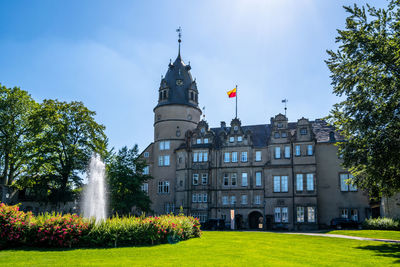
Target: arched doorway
[238, 221]
[255, 220]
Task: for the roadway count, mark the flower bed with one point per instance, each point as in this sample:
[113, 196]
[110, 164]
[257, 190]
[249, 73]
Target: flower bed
[70, 230]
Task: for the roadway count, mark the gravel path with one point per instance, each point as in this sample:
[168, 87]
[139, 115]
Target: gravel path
[348, 237]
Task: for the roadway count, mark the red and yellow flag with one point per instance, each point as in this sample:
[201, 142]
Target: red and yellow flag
[232, 93]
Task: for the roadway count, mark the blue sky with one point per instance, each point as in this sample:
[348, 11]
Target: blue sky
[111, 55]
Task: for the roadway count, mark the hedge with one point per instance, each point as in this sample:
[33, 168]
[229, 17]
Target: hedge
[381, 224]
[18, 228]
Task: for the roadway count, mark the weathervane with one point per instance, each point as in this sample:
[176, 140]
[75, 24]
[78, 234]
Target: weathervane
[285, 101]
[179, 31]
[204, 113]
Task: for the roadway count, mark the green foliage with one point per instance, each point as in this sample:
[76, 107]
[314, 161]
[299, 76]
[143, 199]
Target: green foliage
[365, 71]
[125, 177]
[17, 133]
[381, 224]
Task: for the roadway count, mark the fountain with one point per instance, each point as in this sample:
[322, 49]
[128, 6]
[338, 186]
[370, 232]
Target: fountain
[94, 197]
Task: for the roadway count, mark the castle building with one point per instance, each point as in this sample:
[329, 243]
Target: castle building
[278, 175]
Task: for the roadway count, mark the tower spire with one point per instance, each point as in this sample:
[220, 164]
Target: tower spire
[179, 31]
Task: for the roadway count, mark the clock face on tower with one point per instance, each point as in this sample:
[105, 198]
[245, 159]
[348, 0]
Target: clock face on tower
[179, 82]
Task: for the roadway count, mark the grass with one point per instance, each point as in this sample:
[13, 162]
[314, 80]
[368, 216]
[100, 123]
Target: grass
[395, 235]
[220, 249]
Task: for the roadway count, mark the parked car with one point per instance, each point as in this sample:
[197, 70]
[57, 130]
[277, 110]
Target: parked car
[340, 223]
[214, 224]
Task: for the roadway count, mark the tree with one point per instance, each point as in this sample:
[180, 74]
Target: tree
[69, 137]
[17, 132]
[125, 174]
[365, 72]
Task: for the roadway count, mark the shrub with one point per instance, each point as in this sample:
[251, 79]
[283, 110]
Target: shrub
[14, 225]
[381, 224]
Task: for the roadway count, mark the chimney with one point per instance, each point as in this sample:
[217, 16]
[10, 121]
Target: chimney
[223, 124]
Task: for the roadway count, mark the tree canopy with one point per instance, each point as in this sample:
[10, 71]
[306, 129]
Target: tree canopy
[126, 175]
[365, 72]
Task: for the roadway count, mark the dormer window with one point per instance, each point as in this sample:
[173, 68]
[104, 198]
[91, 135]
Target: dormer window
[205, 141]
[303, 131]
[276, 135]
[192, 96]
[164, 94]
[239, 138]
[284, 134]
[235, 128]
[231, 139]
[202, 130]
[198, 141]
[280, 125]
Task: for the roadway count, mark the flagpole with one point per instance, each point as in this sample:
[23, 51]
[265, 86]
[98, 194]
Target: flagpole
[236, 101]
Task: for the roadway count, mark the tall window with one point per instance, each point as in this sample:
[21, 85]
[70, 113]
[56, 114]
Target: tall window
[200, 156]
[198, 141]
[226, 157]
[309, 150]
[244, 179]
[310, 182]
[346, 178]
[205, 141]
[311, 214]
[287, 152]
[226, 179]
[257, 200]
[166, 160]
[205, 196]
[195, 156]
[225, 200]
[299, 182]
[234, 157]
[344, 213]
[258, 178]
[278, 215]
[233, 200]
[199, 198]
[277, 152]
[163, 187]
[281, 214]
[194, 198]
[298, 150]
[195, 178]
[146, 170]
[164, 145]
[231, 139]
[285, 216]
[244, 200]
[234, 179]
[258, 155]
[169, 207]
[300, 214]
[204, 178]
[280, 184]
[354, 215]
[244, 156]
[163, 160]
[145, 188]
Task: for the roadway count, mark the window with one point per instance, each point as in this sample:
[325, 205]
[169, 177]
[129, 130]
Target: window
[258, 178]
[280, 125]
[303, 131]
[224, 200]
[284, 134]
[239, 138]
[299, 182]
[244, 200]
[163, 160]
[309, 150]
[310, 182]
[226, 179]
[234, 156]
[204, 178]
[200, 156]
[244, 179]
[233, 200]
[244, 156]
[277, 152]
[169, 207]
[205, 196]
[195, 178]
[277, 183]
[298, 151]
[146, 170]
[205, 156]
[280, 184]
[287, 152]
[344, 213]
[202, 216]
[194, 198]
[226, 157]
[344, 185]
[276, 135]
[258, 155]
[231, 139]
[300, 214]
[163, 187]
[198, 141]
[235, 128]
[146, 154]
[281, 214]
[311, 214]
[199, 199]
[278, 215]
[164, 145]
[234, 179]
[145, 188]
[257, 200]
[354, 215]
[195, 156]
[205, 140]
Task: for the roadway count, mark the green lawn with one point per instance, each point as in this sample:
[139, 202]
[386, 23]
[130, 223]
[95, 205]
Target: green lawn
[395, 235]
[221, 249]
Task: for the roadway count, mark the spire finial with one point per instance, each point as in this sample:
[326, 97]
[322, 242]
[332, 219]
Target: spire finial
[179, 31]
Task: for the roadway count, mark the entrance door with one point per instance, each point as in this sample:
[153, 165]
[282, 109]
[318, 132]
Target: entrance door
[255, 220]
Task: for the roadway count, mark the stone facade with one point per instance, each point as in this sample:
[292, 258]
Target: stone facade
[280, 175]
